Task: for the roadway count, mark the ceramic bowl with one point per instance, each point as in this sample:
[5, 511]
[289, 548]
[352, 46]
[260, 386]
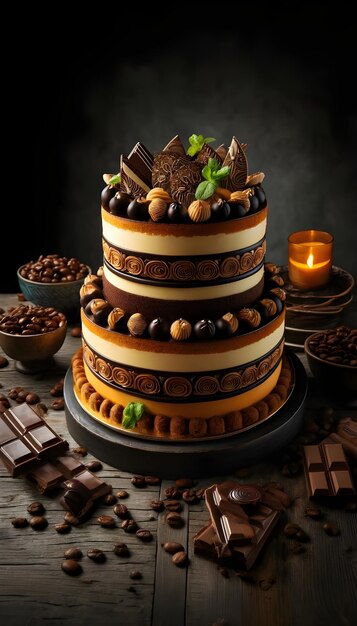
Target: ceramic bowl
[336, 377]
[33, 351]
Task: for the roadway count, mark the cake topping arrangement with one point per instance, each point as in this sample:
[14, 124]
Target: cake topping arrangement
[200, 173]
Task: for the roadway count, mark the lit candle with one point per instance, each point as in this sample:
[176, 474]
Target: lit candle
[310, 258]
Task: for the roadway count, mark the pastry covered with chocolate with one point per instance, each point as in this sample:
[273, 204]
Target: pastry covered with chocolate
[186, 318]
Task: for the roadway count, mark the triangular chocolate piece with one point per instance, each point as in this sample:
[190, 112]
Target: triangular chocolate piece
[130, 182]
[175, 146]
[237, 161]
[206, 153]
[184, 181]
[140, 161]
[222, 151]
[165, 163]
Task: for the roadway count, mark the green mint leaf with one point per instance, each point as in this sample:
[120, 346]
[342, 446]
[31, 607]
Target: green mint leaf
[213, 165]
[200, 140]
[196, 143]
[209, 139]
[222, 173]
[192, 150]
[115, 180]
[205, 190]
[193, 140]
[207, 173]
[132, 413]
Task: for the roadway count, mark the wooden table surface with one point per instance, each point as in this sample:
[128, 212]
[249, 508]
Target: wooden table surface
[314, 588]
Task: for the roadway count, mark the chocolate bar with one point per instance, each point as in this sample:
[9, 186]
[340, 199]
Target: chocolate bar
[49, 476]
[347, 436]
[83, 492]
[326, 471]
[242, 519]
[26, 440]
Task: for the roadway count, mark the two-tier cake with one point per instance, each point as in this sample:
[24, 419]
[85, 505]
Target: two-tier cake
[183, 327]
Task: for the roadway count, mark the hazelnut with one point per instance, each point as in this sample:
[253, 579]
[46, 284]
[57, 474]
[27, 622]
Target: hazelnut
[136, 324]
[114, 317]
[199, 211]
[180, 330]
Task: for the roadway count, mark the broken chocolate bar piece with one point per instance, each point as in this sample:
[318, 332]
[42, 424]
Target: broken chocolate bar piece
[83, 492]
[130, 182]
[207, 152]
[165, 164]
[140, 161]
[26, 440]
[237, 161]
[326, 471]
[175, 146]
[49, 476]
[347, 436]
[184, 181]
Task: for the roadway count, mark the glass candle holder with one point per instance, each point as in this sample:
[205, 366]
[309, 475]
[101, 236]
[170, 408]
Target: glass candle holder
[310, 258]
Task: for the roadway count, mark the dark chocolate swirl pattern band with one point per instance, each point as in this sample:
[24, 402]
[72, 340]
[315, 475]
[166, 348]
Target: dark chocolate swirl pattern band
[196, 387]
[172, 271]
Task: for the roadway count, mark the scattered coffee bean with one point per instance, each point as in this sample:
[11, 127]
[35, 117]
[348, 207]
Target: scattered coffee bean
[76, 331]
[96, 555]
[54, 268]
[129, 526]
[19, 522]
[180, 558]
[32, 398]
[121, 549]
[38, 522]
[109, 500]
[3, 406]
[41, 409]
[121, 511]
[71, 519]
[1, 310]
[175, 520]
[295, 531]
[135, 574]
[81, 451]
[157, 505]
[14, 391]
[36, 508]
[184, 483]
[71, 567]
[336, 345]
[138, 481]
[31, 320]
[173, 493]
[58, 404]
[94, 466]
[57, 390]
[173, 505]
[152, 480]
[190, 496]
[3, 361]
[63, 528]
[172, 547]
[21, 396]
[122, 494]
[106, 521]
[73, 553]
[4, 400]
[331, 529]
[313, 512]
[144, 535]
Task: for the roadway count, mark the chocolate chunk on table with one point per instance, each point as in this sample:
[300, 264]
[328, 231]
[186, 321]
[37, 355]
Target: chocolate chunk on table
[83, 492]
[26, 440]
[49, 476]
[326, 471]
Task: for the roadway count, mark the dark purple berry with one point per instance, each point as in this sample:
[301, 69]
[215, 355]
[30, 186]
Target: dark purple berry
[119, 203]
[177, 213]
[223, 328]
[106, 195]
[205, 329]
[137, 210]
[159, 329]
[278, 302]
[254, 204]
[237, 210]
[220, 210]
[260, 194]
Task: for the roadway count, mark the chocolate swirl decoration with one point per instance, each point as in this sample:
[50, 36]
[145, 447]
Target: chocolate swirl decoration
[237, 161]
[207, 152]
[249, 376]
[129, 186]
[147, 383]
[264, 367]
[231, 382]
[159, 270]
[207, 270]
[163, 166]
[123, 377]
[246, 262]
[106, 249]
[183, 270]
[103, 368]
[116, 258]
[89, 356]
[206, 386]
[134, 265]
[276, 355]
[184, 181]
[177, 387]
[259, 254]
[229, 267]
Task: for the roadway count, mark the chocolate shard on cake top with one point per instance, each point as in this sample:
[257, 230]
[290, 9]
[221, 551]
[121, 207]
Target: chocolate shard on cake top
[184, 181]
[175, 146]
[237, 161]
[165, 163]
[206, 153]
[222, 151]
[140, 161]
[131, 182]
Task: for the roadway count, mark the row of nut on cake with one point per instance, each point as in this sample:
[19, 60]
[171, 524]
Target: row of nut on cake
[248, 318]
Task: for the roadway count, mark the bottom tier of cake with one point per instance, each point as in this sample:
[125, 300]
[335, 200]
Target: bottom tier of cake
[225, 417]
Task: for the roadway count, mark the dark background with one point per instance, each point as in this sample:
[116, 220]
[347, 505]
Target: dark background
[280, 76]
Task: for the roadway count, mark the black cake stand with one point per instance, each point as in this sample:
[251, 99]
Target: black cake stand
[196, 459]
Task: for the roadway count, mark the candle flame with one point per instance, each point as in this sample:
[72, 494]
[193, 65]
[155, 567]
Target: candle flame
[310, 260]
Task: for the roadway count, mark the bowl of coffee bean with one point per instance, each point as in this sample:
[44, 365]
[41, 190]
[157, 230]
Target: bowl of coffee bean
[53, 281]
[332, 357]
[31, 335]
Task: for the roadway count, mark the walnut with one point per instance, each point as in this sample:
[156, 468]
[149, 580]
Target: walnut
[250, 316]
[180, 330]
[157, 193]
[199, 211]
[232, 321]
[114, 317]
[136, 324]
[255, 179]
[157, 209]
